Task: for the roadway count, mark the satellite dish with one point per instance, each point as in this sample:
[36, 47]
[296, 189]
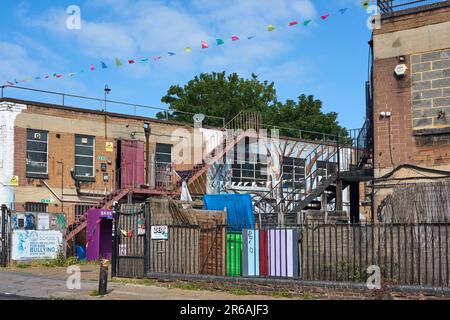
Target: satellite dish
[198, 117]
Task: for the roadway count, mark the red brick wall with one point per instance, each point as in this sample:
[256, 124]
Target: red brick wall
[391, 94]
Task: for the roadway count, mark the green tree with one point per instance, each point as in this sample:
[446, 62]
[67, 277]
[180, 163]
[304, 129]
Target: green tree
[219, 95]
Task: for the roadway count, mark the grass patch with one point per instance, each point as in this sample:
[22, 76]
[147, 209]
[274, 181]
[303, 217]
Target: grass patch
[145, 282]
[240, 292]
[95, 293]
[187, 286]
[308, 296]
[22, 265]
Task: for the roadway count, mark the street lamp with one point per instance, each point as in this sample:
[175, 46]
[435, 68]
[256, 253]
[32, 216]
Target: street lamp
[107, 91]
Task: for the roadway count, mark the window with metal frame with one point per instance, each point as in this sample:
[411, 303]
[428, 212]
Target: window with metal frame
[325, 168]
[37, 153]
[251, 168]
[36, 207]
[163, 160]
[80, 210]
[293, 171]
[84, 156]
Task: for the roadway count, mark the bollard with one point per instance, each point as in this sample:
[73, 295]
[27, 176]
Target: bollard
[103, 279]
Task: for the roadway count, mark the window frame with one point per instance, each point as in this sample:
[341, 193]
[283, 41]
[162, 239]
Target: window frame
[30, 174]
[84, 177]
[294, 166]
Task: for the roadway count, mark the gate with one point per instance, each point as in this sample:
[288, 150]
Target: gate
[130, 258]
[4, 237]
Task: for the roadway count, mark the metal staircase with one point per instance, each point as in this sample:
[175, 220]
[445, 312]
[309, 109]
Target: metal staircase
[105, 203]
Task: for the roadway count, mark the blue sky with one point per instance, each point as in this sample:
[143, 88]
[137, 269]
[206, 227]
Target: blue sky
[327, 59]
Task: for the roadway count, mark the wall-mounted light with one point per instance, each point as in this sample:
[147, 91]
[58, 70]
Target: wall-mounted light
[385, 114]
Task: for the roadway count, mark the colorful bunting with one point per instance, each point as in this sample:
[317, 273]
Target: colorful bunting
[365, 4]
[118, 62]
[204, 45]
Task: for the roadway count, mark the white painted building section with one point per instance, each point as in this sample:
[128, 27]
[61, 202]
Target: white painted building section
[8, 114]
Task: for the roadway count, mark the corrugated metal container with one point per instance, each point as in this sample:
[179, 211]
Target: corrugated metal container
[239, 209]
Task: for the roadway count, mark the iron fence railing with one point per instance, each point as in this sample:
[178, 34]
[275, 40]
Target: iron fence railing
[391, 6]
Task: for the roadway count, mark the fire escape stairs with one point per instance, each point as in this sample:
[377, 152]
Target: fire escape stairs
[105, 203]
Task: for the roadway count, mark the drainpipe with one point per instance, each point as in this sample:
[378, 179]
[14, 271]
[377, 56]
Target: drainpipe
[147, 131]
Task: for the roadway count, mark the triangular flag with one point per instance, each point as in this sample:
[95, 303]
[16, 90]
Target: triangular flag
[270, 28]
[306, 22]
[365, 4]
[343, 10]
[118, 62]
[157, 58]
[71, 74]
[59, 75]
[325, 16]
[234, 38]
[124, 233]
[204, 45]
[219, 41]
[37, 78]
[16, 81]
[293, 23]
[251, 37]
[130, 233]
[92, 67]
[46, 77]
[188, 50]
[143, 59]
[171, 53]
[131, 61]
[104, 66]
[10, 83]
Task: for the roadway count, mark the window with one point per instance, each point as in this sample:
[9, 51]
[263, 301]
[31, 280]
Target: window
[37, 153]
[80, 210]
[84, 156]
[163, 157]
[293, 172]
[36, 206]
[250, 169]
[326, 168]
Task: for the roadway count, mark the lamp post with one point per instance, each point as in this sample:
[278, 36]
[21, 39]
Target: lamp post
[107, 91]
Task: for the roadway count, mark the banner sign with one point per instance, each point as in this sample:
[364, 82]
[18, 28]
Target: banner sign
[160, 232]
[33, 245]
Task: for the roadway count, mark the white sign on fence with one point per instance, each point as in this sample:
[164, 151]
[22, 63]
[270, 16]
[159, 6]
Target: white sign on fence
[43, 221]
[32, 244]
[160, 232]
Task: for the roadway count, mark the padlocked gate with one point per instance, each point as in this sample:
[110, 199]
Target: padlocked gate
[129, 256]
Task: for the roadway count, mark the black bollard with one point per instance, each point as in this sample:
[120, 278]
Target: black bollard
[103, 279]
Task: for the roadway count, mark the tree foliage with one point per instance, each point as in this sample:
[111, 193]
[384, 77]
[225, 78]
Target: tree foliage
[221, 95]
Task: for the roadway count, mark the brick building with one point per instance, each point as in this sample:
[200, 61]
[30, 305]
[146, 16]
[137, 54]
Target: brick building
[411, 110]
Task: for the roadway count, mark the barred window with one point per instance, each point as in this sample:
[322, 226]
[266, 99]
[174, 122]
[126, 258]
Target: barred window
[37, 153]
[36, 206]
[84, 156]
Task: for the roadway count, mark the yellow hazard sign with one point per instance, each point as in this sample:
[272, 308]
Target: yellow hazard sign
[14, 181]
[109, 147]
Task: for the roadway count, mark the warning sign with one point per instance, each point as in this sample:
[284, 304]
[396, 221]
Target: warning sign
[109, 147]
[14, 181]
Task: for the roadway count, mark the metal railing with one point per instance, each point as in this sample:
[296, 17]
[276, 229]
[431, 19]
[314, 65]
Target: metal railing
[391, 6]
[71, 100]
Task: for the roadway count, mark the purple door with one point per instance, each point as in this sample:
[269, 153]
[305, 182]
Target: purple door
[132, 163]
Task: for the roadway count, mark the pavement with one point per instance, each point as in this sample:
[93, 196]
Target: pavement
[51, 283]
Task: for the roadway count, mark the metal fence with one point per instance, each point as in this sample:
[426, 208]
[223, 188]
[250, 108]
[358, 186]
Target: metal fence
[4, 236]
[406, 254]
[391, 6]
